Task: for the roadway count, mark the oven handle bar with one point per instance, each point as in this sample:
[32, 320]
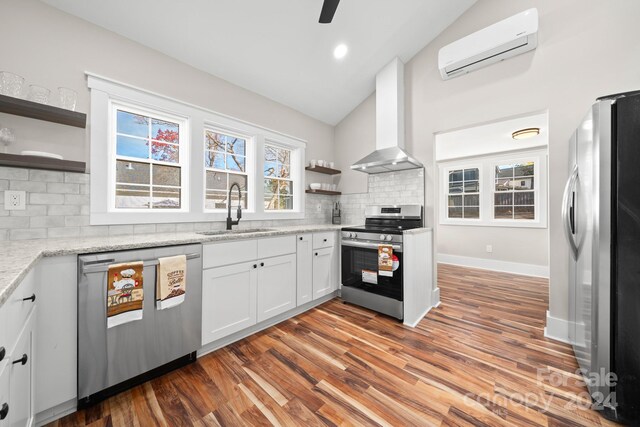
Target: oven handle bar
[369, 245]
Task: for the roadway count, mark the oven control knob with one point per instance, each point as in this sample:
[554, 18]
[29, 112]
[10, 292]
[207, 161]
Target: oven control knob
[382, 237]
[354, 235]
[346, 234]
[389, 237]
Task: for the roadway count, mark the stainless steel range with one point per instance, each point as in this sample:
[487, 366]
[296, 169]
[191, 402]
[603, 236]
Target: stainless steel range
[362, 281]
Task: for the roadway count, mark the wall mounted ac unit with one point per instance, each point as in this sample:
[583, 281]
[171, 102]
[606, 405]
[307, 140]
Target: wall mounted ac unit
[502, 40]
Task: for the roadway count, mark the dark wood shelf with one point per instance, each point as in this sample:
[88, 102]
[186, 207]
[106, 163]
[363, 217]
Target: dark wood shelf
[325, 192]
[35, 162]
[324, 170]
[48, 113]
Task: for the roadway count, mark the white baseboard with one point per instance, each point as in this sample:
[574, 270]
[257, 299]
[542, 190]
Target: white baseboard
[435, 297]
[557, 329]
[496, 265]
[55, 413]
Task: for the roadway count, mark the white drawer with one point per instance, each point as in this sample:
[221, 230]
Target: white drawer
[324, 240]
[227, 253]
[276, 246]
[17, 310]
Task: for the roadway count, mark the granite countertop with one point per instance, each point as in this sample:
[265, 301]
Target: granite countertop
[18, 258]
[417, 230]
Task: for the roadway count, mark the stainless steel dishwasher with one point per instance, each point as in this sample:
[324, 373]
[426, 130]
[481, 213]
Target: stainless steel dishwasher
[113, 359]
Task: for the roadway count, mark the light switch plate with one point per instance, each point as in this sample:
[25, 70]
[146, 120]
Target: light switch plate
[15, 200]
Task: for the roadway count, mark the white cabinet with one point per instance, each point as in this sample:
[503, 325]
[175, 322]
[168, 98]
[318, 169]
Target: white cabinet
[324, 272]
[229, 300]
[57, 337]
[16, 348]
[304, 274]
[4, 397]
[276, 286]
[21, 378]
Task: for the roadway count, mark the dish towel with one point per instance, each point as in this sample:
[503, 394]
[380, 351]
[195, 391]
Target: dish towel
[385, 260]
[171, 283]
[125, 293]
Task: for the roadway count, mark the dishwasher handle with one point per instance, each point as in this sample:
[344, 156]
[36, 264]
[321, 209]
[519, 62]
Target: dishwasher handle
[103, 265]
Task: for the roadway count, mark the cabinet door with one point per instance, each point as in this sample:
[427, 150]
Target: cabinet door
[4, 397]
[21, 379]
[323, 272]
[304, 268]
[228, 300]
[276, 286]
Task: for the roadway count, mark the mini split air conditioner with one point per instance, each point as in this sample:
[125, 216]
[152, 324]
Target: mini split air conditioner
[505, 39]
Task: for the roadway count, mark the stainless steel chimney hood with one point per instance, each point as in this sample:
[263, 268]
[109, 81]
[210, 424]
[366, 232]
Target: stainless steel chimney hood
[390, 154]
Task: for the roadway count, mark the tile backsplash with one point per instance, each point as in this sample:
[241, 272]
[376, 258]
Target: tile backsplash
[391, 188]
[57, 205]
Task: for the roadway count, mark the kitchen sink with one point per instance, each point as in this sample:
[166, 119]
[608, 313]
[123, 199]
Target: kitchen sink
[244, 231]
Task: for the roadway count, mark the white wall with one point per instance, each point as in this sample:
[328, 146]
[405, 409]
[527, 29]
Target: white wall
[51, 48]
[587, 48]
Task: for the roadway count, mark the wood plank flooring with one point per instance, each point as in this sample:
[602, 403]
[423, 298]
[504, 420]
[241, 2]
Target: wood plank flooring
[479, 359]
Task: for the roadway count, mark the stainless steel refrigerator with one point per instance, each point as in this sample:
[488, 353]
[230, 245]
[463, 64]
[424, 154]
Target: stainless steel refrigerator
[601, 214]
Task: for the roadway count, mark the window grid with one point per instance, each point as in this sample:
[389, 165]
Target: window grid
[278, 185]
[463, 194]
[514, 191]
[162, 156]
[231, 168]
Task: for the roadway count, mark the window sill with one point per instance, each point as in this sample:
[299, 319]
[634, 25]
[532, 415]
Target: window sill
[506, 224]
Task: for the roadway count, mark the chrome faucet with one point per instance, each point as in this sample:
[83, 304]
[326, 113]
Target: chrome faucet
[231, 222]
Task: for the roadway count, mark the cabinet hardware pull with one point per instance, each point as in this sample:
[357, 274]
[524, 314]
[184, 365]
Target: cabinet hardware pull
[4, 411]
[262, 264]
[300, 238]
[2, 353]
[22, 360]
[316, 253]
[325, 240]
[32, 298]
[255, 265]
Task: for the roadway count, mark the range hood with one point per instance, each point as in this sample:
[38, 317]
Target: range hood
[390, 154]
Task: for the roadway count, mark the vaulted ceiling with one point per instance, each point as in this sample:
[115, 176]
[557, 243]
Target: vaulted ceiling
[277, 48]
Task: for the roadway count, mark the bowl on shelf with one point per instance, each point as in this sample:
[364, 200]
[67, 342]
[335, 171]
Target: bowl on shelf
[315, 186]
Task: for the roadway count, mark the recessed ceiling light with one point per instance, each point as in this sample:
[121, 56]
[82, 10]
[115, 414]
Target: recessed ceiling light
[340, 51]
[525, 133]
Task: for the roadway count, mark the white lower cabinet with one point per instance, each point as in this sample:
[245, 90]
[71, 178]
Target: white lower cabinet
[304, 274]
[4, 397]
[229, 300]
[21, 379]
[324, 272]
[276, 286]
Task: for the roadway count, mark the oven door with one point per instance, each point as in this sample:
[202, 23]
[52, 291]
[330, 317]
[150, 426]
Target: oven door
[360, 269]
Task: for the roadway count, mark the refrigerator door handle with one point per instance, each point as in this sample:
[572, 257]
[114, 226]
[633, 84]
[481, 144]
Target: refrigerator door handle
[568, 211]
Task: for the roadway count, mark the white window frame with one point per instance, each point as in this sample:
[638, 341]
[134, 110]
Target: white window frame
[183, 145]
[445, 191]
[296, 165]
[250, 162]
[487, 164]
[105, 92]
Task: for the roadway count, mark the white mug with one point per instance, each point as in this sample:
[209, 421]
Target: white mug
[320, 162]
[332, 165]
[312, 164]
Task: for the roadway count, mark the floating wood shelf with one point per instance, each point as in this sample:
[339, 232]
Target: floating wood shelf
[325, 192]
[322, 169]
[35, 162]
[48, 113]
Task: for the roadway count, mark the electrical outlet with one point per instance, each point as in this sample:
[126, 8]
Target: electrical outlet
[489, 248]
[318, 207]
[15, 200]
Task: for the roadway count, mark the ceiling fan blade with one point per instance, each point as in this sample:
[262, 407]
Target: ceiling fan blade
[328, 10]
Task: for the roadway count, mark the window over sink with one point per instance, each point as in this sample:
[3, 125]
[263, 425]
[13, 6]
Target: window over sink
[156, 159]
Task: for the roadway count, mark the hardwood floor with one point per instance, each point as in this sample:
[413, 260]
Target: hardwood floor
[478, 359]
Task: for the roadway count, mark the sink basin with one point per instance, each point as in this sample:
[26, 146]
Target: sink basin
[245, 231]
